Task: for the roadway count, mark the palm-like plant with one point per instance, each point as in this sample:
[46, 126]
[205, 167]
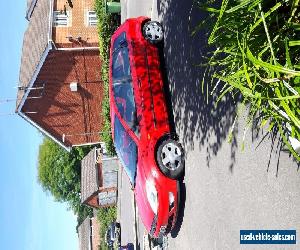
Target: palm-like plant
[257, 55]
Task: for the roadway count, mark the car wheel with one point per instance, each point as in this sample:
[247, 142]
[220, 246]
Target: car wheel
[153, 32]
[170, 158]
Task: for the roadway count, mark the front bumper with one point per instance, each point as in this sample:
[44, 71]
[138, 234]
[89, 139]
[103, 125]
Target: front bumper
[166, 218]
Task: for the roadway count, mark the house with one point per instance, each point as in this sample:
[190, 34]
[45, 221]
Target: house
[60, 88]
[88, 234]
[99, 179]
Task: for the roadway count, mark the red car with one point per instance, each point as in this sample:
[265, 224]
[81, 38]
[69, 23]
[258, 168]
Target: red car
[151, 157]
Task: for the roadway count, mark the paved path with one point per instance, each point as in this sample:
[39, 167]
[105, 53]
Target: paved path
[225, 189]
[135, 8]
[125, 211]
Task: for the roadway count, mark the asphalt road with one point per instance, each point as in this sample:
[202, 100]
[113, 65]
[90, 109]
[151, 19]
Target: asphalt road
[125, 211]
[225, 188]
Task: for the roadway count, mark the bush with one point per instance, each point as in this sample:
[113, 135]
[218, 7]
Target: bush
[257, 56]
[105, 216]
[107, 24]
[103, 246]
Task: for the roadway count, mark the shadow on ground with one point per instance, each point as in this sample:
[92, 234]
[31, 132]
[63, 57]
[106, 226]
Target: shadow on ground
[200, 124]
[195, 116]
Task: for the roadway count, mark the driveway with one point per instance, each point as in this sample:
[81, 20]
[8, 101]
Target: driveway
[126, 209]
[225, 188]
[135, 8]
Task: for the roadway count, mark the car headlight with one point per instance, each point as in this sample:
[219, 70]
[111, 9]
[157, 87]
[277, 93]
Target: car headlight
[152, 196]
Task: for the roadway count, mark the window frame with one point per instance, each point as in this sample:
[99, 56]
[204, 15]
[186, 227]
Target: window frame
[91, 22]
[65, 18]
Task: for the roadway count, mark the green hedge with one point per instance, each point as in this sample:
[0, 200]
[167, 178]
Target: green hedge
[107, 24]
[105, 216]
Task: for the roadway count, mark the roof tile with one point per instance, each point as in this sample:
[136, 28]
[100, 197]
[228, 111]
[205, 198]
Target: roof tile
[34, 44]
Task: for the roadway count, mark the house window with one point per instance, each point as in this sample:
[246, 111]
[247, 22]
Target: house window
[61, 18]
[92, 19]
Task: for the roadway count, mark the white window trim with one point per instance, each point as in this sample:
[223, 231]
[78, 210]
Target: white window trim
[61, 23]
[91, 14]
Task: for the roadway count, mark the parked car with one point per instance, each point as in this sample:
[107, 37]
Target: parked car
[128, 246]
[113, 235]
[151, 157]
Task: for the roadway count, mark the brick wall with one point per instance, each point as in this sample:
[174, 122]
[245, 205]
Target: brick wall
[96, 233]
[60, 111]
[78, 25]
[93, 201]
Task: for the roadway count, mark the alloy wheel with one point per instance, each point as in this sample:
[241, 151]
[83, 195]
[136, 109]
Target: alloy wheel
[171, 156]
[153, 31]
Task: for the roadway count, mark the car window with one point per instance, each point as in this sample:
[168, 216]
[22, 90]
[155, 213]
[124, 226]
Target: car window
[121, 39]
[126, 150]
[123, 94]
[122, 83]
[121, 65]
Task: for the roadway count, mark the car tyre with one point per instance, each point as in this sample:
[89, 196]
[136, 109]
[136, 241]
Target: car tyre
[153, 32]
[170, 158]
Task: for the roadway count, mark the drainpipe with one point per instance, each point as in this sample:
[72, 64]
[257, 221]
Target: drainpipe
[77, 48]
[50, 21]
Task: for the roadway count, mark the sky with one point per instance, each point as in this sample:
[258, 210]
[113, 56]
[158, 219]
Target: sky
[29, 218]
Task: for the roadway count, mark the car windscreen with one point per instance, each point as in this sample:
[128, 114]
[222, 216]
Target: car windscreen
[126, 150]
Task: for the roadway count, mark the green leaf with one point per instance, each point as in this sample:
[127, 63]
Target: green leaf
[239, 6]
[294, 43]
[287, 143]
[258, 22]
[222, 11]
[296, 26]
[293, 9]
[271, 126]
[287, 54]
[264, 122]
[274, 68]
[297, 79]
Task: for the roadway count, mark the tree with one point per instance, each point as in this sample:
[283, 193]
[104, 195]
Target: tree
[59, 174]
